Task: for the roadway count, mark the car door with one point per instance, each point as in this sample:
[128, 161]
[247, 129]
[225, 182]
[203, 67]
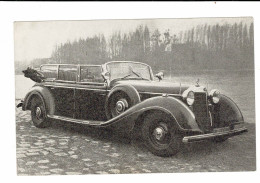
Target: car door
[90, 93]
[64, 90]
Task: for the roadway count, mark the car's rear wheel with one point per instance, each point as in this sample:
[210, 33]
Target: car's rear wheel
[119, 103]
[160, 135]
[38, 113]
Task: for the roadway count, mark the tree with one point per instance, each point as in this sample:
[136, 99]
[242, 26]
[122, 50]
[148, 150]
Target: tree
[146, 40]
[222, 46]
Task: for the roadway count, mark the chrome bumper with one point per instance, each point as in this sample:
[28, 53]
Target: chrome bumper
[213, 135]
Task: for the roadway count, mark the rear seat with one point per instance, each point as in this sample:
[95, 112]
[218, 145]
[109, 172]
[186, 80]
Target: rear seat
[49, 74]
[67, 76]
[61, 75]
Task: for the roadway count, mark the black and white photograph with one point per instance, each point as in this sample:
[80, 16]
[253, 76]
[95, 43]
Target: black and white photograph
[134, 96]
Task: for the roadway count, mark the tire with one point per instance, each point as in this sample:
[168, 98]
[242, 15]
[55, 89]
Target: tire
[160, 135]
[38, 113]
[118, 104]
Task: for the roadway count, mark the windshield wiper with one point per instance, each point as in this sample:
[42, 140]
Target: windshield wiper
[139, 75]
[126, 76]
[135, 73]
[135, 78]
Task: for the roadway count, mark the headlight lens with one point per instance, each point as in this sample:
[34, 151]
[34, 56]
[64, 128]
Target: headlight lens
[215, 96]
[190, 98]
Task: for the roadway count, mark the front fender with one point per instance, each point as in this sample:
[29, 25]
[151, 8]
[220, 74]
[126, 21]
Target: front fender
[226, 112]
[175, 108]
[44, 94]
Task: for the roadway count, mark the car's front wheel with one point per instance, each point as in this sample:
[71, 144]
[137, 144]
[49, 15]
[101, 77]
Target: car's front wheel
[38, 113]
[160, 135]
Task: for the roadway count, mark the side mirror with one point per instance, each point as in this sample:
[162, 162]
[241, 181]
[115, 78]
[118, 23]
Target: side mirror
[159, 75]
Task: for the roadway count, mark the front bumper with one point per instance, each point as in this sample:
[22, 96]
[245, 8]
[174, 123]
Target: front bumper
[208, 136]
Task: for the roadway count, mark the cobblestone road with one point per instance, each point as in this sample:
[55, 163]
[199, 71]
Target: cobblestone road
[66, 149]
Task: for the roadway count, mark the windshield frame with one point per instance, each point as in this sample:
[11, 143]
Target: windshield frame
[105, 67]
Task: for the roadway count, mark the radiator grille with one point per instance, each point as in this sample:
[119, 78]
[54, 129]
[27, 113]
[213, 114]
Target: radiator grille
[200, 109]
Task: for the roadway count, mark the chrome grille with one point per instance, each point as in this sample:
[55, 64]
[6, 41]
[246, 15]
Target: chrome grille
[200, 109]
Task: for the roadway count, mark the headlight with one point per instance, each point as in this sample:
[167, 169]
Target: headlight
[190, 98]
[215, 96]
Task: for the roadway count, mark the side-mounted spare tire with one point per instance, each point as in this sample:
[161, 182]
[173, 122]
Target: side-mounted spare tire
[119, 99]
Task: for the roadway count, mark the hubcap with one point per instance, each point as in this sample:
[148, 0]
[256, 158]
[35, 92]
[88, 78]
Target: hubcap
[121, 106]
[38, 113]
[160, 132]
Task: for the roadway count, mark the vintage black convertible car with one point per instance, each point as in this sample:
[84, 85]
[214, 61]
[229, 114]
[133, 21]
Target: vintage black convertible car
[124, 95]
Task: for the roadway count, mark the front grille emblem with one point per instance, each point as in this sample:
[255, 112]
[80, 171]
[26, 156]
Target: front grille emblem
[197, 83]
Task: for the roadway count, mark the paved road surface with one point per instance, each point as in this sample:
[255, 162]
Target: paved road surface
[66, 148]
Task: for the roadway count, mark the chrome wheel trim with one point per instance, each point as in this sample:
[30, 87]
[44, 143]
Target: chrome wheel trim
[121, 106]
[38, 113]
[160, 132]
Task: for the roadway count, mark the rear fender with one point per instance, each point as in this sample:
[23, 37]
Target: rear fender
[44, 94]
[179, 113]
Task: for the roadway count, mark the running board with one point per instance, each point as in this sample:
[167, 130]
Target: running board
[79, 121]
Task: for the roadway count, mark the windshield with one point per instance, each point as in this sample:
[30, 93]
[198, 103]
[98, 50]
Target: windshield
[128, 70]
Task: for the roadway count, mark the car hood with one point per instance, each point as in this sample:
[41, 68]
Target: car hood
[155, 86]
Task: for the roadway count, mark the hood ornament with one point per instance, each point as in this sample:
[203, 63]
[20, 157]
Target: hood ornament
[197, 83]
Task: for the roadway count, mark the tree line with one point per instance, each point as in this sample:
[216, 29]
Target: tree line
[204, 47]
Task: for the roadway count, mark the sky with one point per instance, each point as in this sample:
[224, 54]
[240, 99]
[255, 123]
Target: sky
[38, 39]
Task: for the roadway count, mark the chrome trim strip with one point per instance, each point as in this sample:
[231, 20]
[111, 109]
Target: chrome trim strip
[210, 117]
[160, 94]
[180, 89]
[57, 64]
[126, 61]
[91, 89]
[90, 65]
[91, 83]
[58, 68]
[65, 81]
[76, 83]
[195, 138]
[78, 74]
[72, 87]
[85, 122]
[60, 86]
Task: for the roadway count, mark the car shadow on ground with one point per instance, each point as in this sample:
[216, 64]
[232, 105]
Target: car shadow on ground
[199, 149]
[102, 134]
